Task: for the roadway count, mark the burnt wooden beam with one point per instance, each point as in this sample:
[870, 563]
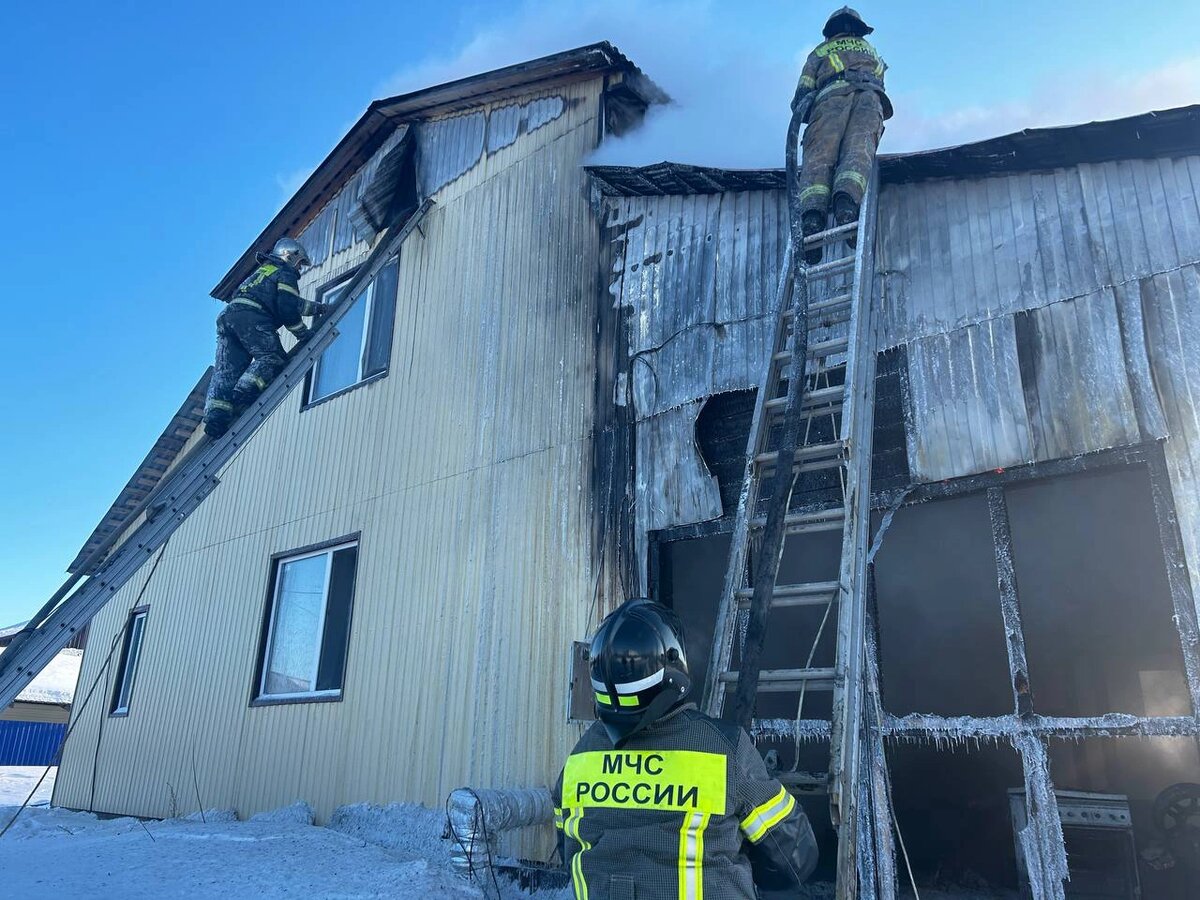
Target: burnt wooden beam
[1010, 607]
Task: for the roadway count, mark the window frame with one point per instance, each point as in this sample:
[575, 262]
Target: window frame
[277, 561]
[369, 320]
[127, 672]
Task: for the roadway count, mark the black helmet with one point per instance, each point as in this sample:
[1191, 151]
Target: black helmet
[638, 666]
[846, 20]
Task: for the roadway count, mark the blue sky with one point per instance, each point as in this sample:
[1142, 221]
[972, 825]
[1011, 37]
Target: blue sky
[146, 144]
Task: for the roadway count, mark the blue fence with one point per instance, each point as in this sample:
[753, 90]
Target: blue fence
[29, 743]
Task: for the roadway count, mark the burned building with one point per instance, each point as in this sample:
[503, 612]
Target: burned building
[537, 404]
[1036, 529]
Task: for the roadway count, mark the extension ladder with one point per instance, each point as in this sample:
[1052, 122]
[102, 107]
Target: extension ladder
[807, 473]
[169, 504]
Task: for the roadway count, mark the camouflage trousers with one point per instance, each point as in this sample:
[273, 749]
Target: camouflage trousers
[839, 147]
[249, 356]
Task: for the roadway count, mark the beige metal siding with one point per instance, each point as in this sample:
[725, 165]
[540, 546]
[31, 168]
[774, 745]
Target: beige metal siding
[466, 471]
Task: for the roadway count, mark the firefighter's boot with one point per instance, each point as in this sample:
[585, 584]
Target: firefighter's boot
[812, 222]
[845, 211]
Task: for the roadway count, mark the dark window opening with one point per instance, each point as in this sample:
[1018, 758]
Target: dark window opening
[1095, 603]
[952, 809]
[308, 625]
[131, 653]
[941, 636]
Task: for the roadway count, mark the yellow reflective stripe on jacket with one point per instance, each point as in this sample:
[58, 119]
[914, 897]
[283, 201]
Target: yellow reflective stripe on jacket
[677, 780]
[246, 301]
[558, 818]
[763, 818]
[808, 81]
[287, 287]
[572, 831]
[691, 856]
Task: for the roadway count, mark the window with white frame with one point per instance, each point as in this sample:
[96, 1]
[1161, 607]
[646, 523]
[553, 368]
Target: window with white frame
[363, 347]
[131, 651]
[308, 624]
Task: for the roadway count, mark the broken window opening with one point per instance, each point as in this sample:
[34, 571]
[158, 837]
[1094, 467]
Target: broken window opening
[1096, 607]
[941, 636]
[952, 808]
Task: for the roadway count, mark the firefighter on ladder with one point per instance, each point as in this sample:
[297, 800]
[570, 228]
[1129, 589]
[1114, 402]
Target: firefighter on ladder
[660, 802]
[841, 98]
[249, 353]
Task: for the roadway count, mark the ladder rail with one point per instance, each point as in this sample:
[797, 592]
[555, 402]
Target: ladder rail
[856, 432]
[183, 491]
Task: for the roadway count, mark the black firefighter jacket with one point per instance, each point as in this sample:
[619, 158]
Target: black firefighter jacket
[273, 289]
[684, 811]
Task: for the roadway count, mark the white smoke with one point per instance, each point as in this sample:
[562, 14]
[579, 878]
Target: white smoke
[731, 77]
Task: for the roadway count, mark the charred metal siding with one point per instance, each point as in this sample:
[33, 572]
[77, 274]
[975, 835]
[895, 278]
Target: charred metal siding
[466, 471]
[1042, 315]
[694, 277]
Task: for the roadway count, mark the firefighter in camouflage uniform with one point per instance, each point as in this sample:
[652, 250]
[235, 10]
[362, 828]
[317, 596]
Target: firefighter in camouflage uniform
[841, 98]
[660, 802]
[249, 353]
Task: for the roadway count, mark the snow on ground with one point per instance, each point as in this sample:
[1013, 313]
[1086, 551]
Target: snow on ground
[17, 781]
[51, 853]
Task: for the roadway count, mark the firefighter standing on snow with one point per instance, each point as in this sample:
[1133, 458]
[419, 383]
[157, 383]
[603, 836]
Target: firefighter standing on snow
[249, 354]
[660, 802]
[841, 98]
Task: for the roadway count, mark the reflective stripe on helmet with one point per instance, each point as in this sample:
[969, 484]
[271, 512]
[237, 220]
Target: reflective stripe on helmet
[763, 818]
[603, 698]
[636, 687]
[623, 700]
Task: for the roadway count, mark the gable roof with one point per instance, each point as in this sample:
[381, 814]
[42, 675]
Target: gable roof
[383, 116]
[1172, 132]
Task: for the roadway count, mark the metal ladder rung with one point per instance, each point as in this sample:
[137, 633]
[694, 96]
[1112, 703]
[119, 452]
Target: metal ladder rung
[804, 454]
[804, 782]
[782, 681]
[817, 350]
[830, 235]
[807, 523]
[824, 270]
[822, 306]
[818, 397]
[812, 593]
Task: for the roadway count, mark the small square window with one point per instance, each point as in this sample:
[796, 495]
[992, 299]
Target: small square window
[363, 346]
[304, 654]
[131, 652]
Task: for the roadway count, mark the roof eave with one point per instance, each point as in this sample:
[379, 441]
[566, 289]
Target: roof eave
[382, 117]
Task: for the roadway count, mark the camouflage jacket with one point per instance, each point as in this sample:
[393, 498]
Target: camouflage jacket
[842, 63]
